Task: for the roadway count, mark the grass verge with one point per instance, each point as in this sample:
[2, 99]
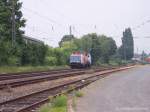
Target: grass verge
[78, 94]
[59, 104]
[8, 69]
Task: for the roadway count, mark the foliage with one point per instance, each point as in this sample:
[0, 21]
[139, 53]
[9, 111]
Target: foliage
[60, 56]
[16, 69]
[60, 101]
[78, 94]
[25, 54]
[9, 55]
[33, 54]
[108, 48]
[6, 20]
[65, 39]
[58, 105]
[101, 47]
[45, 108]
[18, 52]
[127, 49]
[50, 60]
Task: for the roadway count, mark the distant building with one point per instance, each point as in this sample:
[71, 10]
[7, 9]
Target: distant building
[32, 40]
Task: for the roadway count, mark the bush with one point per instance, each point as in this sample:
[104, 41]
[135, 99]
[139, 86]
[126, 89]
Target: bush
[60, 101]
[13, 61]
[57, 105]
[50, 61]
[33, 54]
[45, 108]
[78, 94]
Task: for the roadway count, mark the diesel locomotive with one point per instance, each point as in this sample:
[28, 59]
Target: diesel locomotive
[80, 59]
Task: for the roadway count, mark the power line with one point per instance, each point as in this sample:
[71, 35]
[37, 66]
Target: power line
[48, 19]
[44, 17]
[72, 28]
[137, 37]
[66, 17]
[41, 33]
[137, 27]
[35, 29]
[140, 25]
[60, 13]
[53, 21]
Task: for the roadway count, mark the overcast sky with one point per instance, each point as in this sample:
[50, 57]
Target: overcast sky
[49, 20]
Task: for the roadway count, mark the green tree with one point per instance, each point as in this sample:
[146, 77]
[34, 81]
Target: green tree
[101, 47]
[33, 54]
[68, 47]
[6, 19]
[108, 48]
[95, 49]
[10, 54]
[127, 48]
[89, 43]
[50, 57]
[66, 38]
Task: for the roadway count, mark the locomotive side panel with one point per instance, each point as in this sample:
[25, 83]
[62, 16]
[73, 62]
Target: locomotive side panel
[80, 60]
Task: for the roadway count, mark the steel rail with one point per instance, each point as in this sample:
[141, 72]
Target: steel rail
[40, 78]
[37, 79]
[25, 101]
[31, 74]
[10, 76]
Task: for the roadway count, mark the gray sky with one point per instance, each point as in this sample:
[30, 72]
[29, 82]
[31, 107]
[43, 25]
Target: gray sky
[49, 20]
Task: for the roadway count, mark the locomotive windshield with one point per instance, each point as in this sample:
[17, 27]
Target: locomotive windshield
[75, 59]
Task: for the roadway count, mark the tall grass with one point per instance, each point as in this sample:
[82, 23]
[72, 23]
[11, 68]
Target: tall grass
[10, 69]
[57, 105]
[78, 94]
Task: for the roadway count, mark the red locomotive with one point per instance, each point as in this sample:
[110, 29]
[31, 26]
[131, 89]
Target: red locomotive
[80, 60]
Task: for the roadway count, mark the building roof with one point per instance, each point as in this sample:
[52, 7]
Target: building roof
[32, 39]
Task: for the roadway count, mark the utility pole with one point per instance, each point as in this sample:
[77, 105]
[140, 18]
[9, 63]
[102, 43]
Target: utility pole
[137, 50]
[70, 30]
[95, 28]
[13, 23]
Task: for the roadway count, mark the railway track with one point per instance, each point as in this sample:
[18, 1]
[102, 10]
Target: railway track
[24, 79]
[27, 103]
[10, 76]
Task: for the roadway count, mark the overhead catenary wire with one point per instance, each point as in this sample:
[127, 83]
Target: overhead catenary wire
[38, 30]
[58, 12]
[44, 17]
[43, 35]
[53, 21]
[66, 17]
[140, 25]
